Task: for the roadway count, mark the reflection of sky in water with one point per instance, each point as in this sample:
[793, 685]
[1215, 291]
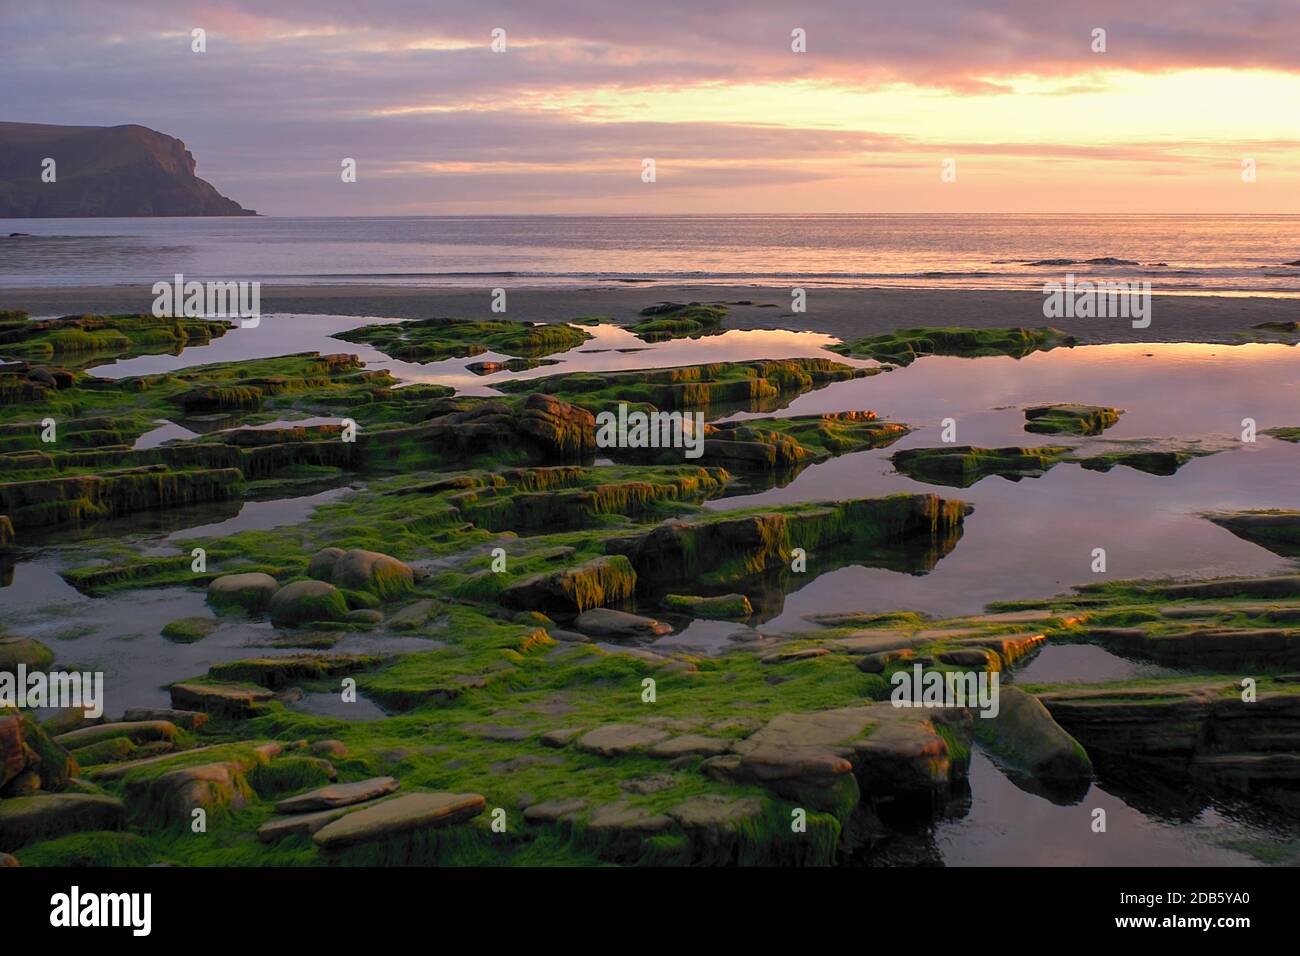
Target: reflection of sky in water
[1006, 826]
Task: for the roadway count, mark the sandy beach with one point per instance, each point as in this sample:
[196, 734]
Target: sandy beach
[842, 312]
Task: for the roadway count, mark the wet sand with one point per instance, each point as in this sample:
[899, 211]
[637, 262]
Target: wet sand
[844, 313]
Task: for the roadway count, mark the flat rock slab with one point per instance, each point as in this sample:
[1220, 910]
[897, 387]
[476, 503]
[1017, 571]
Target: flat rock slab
[189, 719]
[621, 818]
[617, 740]
[26, 820]
[304, 824]
[690, 745]
[338, 795]
[605, 622]
[560, 737]
[794, 654]
[227, 699]
[553, 811]
[715, 811]
[873, 642]
[398, 817]
[137, 731]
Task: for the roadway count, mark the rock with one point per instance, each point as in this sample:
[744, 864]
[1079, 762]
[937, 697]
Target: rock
[725, 607]
[560, 737]
[25, 820]
[7, 861]
[137, 731]
[252, 591]
[229, 700]
[33, 655]
[567, 637]
[24, 785]
[604, 622]
[365, 616]
[189, 719]
[68, 718]
[621, 818]
[414, 615]
[616, 740]
[105, 751]
[15, 755]
[400, 816]
[171, 797]
[1025, 735]
[321, 566]
[329, 748]
[553, 811]
[51, 761]
[608, 579]
[876, 663]
[303, 602]
[338, 795]
[979, 658]
[187, 630]
[716, 812]
[794, 654]
[693, 745]
[304, 824]
[1073, 419]
[381, 574]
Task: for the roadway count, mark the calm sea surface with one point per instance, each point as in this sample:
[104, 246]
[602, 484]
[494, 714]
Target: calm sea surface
[1222, 254]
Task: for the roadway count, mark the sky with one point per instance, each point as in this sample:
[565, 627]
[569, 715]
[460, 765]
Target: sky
[923, 106]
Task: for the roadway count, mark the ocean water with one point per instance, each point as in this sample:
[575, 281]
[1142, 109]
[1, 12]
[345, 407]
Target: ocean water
[1177, 254]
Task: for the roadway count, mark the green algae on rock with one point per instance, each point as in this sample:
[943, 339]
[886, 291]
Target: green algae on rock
[91, 337]
[763, 385]
[1278, 530]
[430, 340]
[904, 346]
[1070, 419]
[960, 466]
[673, 320]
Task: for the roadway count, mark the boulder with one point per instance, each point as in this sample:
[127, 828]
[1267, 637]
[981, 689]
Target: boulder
[171, 797]
[608, 579]
[305, 601]
[329, 748]
[381, 574]
[619, 625]
[399, 817]
[321, 566]
[414, 615]
[724, 607]
[252, 591]
[1024, 734]
[25, 820]
[15, 755]
[31, 654]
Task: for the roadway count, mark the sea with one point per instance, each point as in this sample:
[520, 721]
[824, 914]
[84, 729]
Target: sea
[1190, 254]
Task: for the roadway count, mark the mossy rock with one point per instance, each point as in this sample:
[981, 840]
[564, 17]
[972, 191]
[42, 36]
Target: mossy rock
[251, 591]
[303, 602]
[33, 655]
[1070, 419]
[723, 607]
[98, 848]
[187, 630]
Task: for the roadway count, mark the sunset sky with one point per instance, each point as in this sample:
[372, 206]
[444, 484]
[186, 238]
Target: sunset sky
[735, 121]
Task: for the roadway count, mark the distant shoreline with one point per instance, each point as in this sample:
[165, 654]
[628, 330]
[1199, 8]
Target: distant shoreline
[842, 312]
